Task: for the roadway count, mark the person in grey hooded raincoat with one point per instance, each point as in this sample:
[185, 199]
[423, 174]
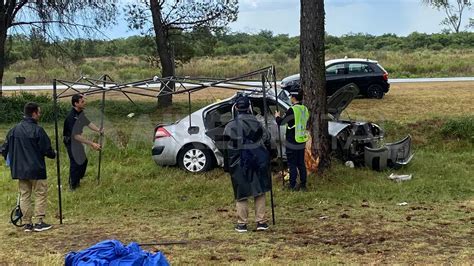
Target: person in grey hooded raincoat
[247, 159]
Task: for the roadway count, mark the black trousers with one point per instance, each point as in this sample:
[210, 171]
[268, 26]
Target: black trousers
[77, 164]
[295, 157]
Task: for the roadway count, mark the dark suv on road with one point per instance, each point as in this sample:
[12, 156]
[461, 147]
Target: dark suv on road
[368, 75]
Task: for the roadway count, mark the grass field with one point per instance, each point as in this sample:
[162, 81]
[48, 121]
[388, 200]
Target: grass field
[347, 216]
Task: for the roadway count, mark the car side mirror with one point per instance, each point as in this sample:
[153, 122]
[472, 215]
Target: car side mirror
[193, 130]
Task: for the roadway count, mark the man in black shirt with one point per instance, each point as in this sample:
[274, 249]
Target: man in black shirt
[25, 147]
[296, 118]
[73, 139]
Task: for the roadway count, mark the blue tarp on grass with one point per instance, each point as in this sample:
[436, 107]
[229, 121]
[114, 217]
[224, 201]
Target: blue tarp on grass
[113, 252]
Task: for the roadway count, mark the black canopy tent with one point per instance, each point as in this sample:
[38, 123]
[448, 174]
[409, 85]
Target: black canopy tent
[158, 87]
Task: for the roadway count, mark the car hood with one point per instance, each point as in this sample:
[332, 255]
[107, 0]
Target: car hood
[341, 99]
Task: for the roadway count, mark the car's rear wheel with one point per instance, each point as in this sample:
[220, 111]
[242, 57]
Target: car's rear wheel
[375, 91]
[195, 158]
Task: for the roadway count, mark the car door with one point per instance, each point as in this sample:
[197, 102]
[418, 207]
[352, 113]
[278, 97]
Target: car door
[335, 77]
[359, 73]
[215, 120]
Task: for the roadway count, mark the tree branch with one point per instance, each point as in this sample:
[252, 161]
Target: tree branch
[196, 22]
[171, 11]
[9, 13]
[76, 25]
[51, 22]
[18, 7]
[461, 7]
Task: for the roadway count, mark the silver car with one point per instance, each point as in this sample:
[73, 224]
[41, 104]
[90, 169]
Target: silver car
[194, 142]
[195, 146]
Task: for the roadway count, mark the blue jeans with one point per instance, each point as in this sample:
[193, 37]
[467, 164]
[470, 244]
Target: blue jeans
[296, 164]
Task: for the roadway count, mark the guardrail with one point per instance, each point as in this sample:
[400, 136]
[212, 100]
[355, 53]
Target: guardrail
[408, 80]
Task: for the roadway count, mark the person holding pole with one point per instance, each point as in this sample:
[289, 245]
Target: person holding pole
[25, 147]
[73, 139]
[247, 159]
[296, 119]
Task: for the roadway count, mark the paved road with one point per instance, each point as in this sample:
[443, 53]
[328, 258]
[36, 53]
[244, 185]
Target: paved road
[413, 80]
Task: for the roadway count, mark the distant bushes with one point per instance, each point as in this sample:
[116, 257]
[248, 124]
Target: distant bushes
[399, 64]
[224, 54]
[202, 42]
[11, 108]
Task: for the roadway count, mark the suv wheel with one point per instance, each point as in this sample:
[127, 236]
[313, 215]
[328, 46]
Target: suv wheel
[375, 91]
[195, 158]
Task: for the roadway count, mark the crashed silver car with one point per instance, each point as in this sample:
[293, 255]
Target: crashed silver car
[194, 143]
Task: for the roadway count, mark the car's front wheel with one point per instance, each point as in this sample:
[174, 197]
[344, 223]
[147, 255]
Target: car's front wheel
[195, 158]
[375, 91]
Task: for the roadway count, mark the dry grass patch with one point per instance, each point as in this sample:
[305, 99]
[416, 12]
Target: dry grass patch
[374, 234]
[411, 102]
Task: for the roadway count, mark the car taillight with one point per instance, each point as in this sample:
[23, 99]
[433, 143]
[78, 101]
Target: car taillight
[161, 133]
[385, 76]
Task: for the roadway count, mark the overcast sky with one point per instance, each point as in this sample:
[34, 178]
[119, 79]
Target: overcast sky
[376, 17]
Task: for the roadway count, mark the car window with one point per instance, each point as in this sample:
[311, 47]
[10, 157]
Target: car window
[380, 68]
[337, 69]
[257, 105]
[357, 68]
[218, 117]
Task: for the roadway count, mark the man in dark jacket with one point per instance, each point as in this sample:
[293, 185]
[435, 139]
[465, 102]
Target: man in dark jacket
[246, 158]
[26, 146]
[73, 139]
[296, 119]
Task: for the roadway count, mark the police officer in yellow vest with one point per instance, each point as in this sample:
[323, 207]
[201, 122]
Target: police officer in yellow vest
[296, 119]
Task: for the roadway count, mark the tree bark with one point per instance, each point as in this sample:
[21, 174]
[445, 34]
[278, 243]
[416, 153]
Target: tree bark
[313, 78]
[3, 38]
[165, 53]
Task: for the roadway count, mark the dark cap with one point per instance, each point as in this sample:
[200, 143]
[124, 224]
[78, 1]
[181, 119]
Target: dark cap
[242, 103]
[298, 95]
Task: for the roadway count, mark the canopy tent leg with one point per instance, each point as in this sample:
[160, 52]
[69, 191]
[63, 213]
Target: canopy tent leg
[266, 127]
[101, 135]
[58, 169]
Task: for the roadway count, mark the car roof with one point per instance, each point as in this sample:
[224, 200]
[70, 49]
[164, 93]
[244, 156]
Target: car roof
[251, 94]
[345, 60]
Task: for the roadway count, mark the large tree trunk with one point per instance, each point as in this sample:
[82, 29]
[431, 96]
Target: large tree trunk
[165, 53]
[3, 38]
[313, 78]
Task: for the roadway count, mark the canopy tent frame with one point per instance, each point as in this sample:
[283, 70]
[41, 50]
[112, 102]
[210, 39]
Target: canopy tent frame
[148, 88]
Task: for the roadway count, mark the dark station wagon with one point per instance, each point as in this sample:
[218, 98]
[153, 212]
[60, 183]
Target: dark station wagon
[369, 76]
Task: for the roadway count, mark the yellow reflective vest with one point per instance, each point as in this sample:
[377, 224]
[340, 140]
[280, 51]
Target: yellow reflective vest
[301, 119]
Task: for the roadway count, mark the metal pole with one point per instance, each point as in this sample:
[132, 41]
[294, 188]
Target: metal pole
[266, 127]
[280, 160]
[58, 169]
[189, 108]
[101, 128]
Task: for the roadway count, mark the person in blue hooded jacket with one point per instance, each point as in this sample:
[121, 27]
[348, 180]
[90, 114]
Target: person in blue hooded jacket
[247, 158]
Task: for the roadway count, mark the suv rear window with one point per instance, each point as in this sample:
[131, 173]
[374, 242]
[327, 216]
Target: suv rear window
[357, 68]
[383, 69]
